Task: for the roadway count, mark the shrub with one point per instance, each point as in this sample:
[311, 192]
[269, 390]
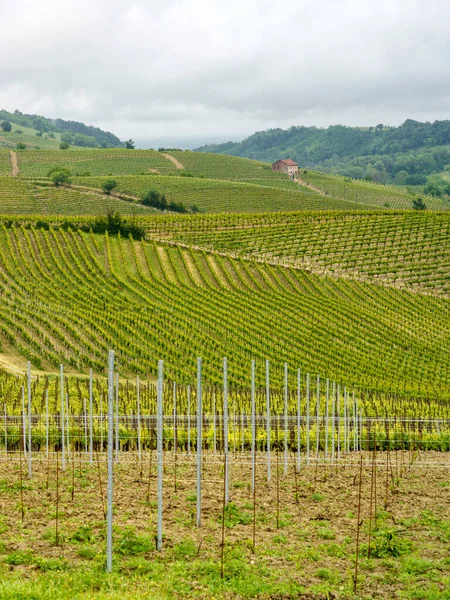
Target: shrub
[109, 185]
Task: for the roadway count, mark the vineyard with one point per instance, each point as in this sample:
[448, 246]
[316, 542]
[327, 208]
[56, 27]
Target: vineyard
[367, 194]
[38, 163]
[219, 196]
[403, 249]
[67, 296]
[304, 455]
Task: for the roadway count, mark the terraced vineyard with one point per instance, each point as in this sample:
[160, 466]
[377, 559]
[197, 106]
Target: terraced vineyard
[404, 249]
[212, 195]
[368, 194]
[221, 166]
[67, 296]
[37, 163]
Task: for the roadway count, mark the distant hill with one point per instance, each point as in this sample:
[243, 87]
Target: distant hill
[47, 132]
[405, 155]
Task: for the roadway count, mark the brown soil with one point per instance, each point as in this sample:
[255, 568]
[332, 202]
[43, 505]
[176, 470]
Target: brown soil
[179, 165]
[317, 513]
[14, 163]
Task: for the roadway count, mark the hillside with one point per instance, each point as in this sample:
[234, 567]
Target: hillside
[404, 155]
[67, 296]
[210, 182]
[35, 130]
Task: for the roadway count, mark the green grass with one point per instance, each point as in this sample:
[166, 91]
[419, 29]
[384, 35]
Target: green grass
[28, 137]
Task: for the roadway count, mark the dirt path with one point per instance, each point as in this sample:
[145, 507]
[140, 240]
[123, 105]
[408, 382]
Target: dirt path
[175, 161]
[14, 164]
[310, 186]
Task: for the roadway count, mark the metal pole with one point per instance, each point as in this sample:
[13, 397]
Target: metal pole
[199, 440]
[117, 417]
[46, 423]
[159, 444]
[268, 433]
[253, 426]
[189, 418]
[85, 426]
[307, 421]
[333, 393]
[285, 418]
[138, 399]
[24, 423]
[225, 425]
[6, 434]
[338, 414]
[110, 461]
[317, 419]
[91, 425]
[298, 418]
[30, 469]
[326, 420]
[67, 426]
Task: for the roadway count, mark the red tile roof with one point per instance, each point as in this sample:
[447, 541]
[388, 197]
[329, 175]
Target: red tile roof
[288, 162]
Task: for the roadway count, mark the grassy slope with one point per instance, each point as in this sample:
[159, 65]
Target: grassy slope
[369, 194]
[28, 137]
[154, 301]
[23, 197]
[212, 195]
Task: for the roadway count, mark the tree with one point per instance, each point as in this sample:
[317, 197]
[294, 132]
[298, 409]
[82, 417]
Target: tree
[109, 185]
[419, 204]
[6, 126]
[21, 146]
[129, 144]
[64, 146]
[59, 175]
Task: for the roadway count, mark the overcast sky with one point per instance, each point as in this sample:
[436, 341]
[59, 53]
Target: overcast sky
[192, 71]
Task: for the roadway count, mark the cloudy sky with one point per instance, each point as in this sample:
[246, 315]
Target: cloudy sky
[194, 71]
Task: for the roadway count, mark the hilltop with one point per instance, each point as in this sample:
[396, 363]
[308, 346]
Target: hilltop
[194, 181]
[36, 130]
[404, 155]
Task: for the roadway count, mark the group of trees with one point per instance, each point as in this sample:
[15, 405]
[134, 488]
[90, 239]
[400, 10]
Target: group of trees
[402, 155]
[73, 132]
[157, 200]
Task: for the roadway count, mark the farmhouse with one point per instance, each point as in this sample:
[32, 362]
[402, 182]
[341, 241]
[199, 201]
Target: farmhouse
[287, 166]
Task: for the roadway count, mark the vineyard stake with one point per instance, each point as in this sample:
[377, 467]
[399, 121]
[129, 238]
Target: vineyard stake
[138, 400]
[67, 425]
[110, 461]
[46, 423]
[308, 441]
[225, 435]
[159, 444]
[199, 440]
[285, 470]
[317, 419]
[326, 419]
[30, 469]
[117, 418]
[333, 393]
[85, 426]
[6, 436]
[358, 527]
[298, 421]
[253, 425]
[91, 426]
[268, 434]
[175, 440]
[24, 424]
[189, 418]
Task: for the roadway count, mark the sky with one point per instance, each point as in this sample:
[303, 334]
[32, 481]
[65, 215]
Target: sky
[188, 72]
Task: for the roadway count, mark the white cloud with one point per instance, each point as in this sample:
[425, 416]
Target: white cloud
[199, 68]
